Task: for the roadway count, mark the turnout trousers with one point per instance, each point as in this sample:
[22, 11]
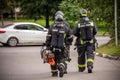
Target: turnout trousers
[85, 54]
[60, 58]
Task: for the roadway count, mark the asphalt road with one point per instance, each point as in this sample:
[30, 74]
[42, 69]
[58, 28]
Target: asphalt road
[25, 63]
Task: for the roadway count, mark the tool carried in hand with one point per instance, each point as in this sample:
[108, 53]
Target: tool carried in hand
[47, 56]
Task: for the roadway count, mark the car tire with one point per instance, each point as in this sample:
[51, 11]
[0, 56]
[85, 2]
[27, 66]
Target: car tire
[12, 41]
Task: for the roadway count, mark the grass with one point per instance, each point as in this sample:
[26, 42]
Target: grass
[102, 32]
[40, 21]
[109, 48]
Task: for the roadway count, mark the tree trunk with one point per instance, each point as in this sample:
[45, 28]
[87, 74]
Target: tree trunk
[2, 19]
[47, 17]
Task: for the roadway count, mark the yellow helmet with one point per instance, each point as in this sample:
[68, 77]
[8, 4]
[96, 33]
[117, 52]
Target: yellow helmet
[83, 13]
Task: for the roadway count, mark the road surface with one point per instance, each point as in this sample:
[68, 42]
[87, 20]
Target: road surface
[24, 63]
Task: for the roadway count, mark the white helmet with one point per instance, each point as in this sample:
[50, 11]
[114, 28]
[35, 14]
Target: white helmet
[59, 12]
[59, 17]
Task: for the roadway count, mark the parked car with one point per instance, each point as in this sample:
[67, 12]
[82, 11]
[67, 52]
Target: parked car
[22, 33]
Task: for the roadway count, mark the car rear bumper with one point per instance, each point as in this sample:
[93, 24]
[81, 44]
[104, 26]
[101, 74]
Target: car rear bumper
[3, 39]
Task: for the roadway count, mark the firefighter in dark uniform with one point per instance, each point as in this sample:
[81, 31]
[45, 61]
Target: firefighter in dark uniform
[55, 41]
[68, 41]
[85, 31]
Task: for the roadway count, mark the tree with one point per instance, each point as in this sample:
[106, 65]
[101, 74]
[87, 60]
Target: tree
[118, 18]
[99, 11]
[36, 8]
[70, 10]
[5, 5]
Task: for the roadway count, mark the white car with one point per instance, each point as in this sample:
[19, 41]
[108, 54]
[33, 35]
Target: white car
[21, 33]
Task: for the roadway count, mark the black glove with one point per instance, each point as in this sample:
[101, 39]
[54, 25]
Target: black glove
[76, 43]
[47, 47]
[69, 40]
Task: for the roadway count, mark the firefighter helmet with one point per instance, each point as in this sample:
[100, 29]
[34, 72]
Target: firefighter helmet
[59, 17]
[83, 13]
[59, 12]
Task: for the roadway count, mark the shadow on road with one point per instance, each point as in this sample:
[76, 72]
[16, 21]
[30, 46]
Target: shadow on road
[27, 45]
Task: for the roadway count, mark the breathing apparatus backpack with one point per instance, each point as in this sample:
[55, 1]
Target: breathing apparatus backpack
[86, 31]
[57, 40]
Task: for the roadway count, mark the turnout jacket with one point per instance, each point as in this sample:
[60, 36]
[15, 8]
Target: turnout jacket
[58, 35]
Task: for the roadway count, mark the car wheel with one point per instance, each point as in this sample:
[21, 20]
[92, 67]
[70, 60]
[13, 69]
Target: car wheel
[12, 41]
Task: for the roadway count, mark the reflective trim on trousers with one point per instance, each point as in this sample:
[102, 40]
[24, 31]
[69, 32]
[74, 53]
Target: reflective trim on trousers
[66, 62]
[54, 70]
[90, 60]
[81, 65]
[62, 64]
[83, 42]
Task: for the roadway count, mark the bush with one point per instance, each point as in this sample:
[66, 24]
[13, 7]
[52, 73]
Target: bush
[103, 27]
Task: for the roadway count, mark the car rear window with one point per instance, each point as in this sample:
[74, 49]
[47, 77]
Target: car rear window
[21, 27]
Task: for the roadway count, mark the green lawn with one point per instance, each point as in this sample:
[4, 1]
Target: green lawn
[109, 48]
[40, 21]
[102, 32]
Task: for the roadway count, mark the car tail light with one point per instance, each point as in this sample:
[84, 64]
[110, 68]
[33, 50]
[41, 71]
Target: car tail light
[2, 31]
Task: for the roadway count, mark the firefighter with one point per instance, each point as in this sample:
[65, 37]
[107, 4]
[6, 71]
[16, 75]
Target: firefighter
[68, 41]
[55, 41]
[85, 31]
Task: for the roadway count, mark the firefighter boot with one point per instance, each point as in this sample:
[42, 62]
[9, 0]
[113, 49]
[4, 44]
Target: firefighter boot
[61, 69]
[90, 69]
[54, 74]
[81, 69]
[65, 72]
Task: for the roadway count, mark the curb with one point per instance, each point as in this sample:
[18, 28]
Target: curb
[108, 56]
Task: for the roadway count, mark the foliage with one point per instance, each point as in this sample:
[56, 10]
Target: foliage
[118, 18]
[70, 10]
[37, 8]
[5, 5]
[98, 11]
[101, 26]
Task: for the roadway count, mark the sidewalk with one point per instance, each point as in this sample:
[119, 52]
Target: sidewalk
[5, 23]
